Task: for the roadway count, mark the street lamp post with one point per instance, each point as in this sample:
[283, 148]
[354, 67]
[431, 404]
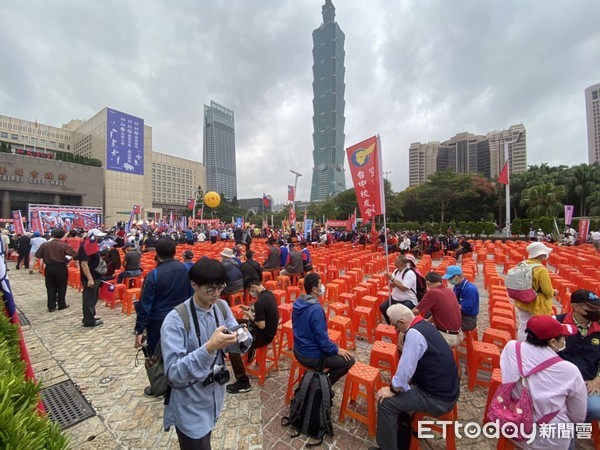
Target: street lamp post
[507, 201]
[385, 174]
[298, 175]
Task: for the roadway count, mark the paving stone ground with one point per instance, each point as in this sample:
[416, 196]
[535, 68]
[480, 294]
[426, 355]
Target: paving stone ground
[101, 361]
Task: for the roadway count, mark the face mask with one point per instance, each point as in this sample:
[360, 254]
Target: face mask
[592, 316]
[562, 347]
[452, 281]
[253, 294]
[322, 290]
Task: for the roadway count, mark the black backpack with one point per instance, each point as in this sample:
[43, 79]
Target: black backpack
[310, 410]
[421, 284]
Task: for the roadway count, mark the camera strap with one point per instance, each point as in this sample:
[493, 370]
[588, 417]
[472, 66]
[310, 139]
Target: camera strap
[197, 328]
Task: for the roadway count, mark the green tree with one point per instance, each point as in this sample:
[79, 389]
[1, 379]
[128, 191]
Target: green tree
[583, 183]
[543, 200]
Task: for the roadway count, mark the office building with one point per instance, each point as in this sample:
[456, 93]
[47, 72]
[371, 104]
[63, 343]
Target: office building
[219, 150]
[469, 153]
[174, 181]
[592, 113]
[328, 106]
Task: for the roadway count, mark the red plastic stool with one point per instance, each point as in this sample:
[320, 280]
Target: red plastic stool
[335, 336]
[287, 332]
[344, 326]
[283, 281]
[360, 293]
[384, 356]
[271, 285]
[482, 353]
[347, 298]
[502, 323]
[285, 312]
[497, 337]
[237, 311]
[388, 331]
[358, 314]
[467, 343]
[361, 376]
[338, 309]
[267, 276]
[297, 370]
[235, 298]
[452, 416]
[266, 363]
[280, 296]
[293, 290]
[371, 302]
[130, 296]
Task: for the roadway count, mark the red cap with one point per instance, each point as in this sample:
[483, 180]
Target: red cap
[547, 327]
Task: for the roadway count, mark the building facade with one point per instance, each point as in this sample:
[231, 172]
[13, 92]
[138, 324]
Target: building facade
[219, 150]
[174, 180]
[328, 176]
[469, 153]
[592, 113]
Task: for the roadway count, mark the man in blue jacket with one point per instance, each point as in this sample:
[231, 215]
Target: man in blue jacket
[312, 346]
[467, 296]
[165, 287]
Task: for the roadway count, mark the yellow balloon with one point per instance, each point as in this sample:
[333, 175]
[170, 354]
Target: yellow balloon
[212, 199]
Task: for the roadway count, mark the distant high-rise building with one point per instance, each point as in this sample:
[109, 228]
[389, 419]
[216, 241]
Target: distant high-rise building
[219, 150]
[328, 105]
[592, 111]
[469, 153]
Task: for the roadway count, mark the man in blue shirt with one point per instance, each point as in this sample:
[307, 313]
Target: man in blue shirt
[467, 296]
[195, 360]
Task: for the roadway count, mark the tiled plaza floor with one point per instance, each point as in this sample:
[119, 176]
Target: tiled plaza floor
[101, 361]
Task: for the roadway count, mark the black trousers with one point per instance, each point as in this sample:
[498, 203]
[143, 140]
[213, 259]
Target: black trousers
[338, 366]
[90, 298]
[23, 258]
[56, 276]
[188, 443]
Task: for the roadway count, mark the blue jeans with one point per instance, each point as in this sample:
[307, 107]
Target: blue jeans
[593, 408]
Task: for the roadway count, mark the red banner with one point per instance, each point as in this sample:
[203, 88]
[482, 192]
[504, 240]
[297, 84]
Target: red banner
[195, 222]
[584, 229]
[291, 193]
[336, 223]
[36, 221]
[292, 217]
[191, 204]
[18, 222]
[137, 209]
[365, 166]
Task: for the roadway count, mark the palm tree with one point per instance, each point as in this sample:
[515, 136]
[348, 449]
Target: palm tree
[543, 200]
[593, 203]
[583, 183]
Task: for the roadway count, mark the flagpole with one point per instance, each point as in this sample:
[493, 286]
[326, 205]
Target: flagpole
[507, 201]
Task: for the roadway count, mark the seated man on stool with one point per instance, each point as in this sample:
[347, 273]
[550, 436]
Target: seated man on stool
[131, 263]
[312, 346]
[262, 322]
[426, 360]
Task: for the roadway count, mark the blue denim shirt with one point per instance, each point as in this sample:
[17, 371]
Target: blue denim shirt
[193, 408]
[468, 298]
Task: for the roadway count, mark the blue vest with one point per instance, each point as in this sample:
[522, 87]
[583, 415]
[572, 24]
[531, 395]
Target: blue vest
[436, 372]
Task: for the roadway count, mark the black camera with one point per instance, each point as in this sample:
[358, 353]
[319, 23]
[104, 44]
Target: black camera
[219, 375]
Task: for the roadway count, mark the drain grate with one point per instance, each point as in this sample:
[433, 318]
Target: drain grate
[23, 320]
[65, 404]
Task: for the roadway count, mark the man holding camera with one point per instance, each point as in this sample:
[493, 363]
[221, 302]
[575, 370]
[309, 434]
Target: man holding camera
[195, 360]
[262, 320]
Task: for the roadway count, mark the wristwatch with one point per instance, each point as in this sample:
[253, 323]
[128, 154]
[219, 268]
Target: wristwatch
[137, 333]
[395, 391]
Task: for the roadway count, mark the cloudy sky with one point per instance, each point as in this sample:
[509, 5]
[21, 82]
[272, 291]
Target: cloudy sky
[418, 70]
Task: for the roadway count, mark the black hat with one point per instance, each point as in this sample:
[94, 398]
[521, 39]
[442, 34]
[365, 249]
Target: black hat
[584, 296]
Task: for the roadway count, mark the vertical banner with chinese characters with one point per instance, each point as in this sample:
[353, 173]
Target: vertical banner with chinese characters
[36, 222]
[584, 229]
[124, 143]
[18, 221]
[365, 166]
[569, 214]
[292, 218]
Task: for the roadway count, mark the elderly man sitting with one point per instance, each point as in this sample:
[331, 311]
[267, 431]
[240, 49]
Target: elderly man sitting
[426, 380]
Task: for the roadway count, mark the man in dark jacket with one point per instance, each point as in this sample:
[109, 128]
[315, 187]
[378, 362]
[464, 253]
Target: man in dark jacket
[294, 265]
[165, 286]
[250, 268]
[272, 261]
[23, 248]
[235, 278]
[426, 380]
[312, 345]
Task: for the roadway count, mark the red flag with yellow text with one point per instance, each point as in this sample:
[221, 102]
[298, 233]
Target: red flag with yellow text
[364, 159]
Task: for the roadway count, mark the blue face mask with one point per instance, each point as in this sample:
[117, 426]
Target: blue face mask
[453, 281]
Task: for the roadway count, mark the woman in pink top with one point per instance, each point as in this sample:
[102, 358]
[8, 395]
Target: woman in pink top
[558, 390]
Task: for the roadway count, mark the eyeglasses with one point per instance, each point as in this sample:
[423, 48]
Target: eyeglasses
[215, 289]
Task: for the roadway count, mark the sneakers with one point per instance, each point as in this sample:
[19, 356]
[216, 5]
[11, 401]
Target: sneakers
[148, 392]
[241, 385]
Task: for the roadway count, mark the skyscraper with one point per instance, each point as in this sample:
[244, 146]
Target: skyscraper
[219, 150]
[592, 111]
[328, 106]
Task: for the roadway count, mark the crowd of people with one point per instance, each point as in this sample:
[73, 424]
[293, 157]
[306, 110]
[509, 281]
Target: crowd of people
[430, 323]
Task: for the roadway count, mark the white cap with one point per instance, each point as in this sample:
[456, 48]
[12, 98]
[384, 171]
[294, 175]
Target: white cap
[95, 232]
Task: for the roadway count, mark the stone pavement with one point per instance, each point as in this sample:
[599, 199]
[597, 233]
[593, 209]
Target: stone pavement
[101, 361]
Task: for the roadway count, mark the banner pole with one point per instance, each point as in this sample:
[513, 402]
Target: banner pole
[387, 259]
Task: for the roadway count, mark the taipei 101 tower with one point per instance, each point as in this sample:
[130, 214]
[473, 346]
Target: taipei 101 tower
[328, 105]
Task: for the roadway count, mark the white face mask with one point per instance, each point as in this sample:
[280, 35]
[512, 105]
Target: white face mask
[563, 345]
[322, 290]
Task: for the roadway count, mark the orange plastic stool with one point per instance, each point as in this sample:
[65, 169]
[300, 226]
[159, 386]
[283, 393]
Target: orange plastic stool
[271, 285]
[358, 314]
[297, 370]
[335, 336]
[266, 363]
[360, 293]
[285, 312]
[293, 290]
[283, 281]
[280, 296]
[502, 323]
[294, 278]
[287, 332]
[343, 325]
[452, 416]
[347, 298]
[497, 337]
[367, 377]
[371, 302]
[130, 295]
[338, 309]
[267, 276]
[385, 330]
[235, 298]
[482, 353]
[384, 356]
[237, 311]
[495, 382]
[467, 343]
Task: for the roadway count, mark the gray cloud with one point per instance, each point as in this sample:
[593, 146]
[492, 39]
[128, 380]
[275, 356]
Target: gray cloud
[415, 71]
